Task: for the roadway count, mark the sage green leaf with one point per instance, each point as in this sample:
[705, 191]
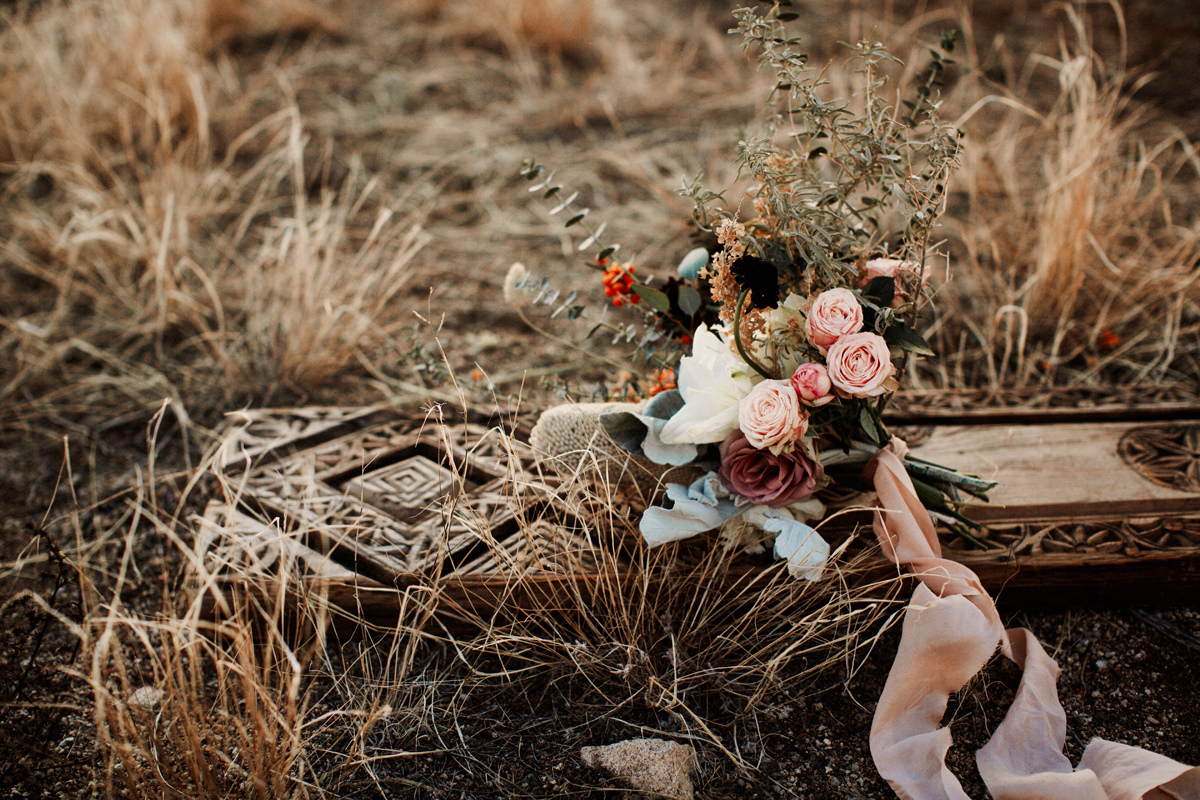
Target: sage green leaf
[656, 299]
[689, 300]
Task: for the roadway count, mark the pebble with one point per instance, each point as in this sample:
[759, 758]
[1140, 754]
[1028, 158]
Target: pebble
[657, 766]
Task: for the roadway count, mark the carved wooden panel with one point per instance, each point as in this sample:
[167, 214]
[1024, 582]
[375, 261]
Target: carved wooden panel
[1088, 511]
[1168, 455]
[1062, 471]
[386, 497]
[254, 433]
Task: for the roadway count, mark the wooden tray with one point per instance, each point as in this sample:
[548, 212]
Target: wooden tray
[1099, 506]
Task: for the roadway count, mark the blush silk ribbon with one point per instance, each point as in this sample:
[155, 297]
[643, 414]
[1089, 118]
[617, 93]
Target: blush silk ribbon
[950, 631]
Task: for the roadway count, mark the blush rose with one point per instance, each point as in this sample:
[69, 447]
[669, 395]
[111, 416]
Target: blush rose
[765, 478]
[860, 365]
[770, 416]
[833, 314]
[812, 385]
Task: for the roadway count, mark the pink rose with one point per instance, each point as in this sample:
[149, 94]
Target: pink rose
[832, 315]
[766, 478]
[811, 383]
[860, 365]
[892, 268]
[770, 416]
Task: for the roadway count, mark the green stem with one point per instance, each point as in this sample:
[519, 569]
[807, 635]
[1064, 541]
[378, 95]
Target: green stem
[737, 337]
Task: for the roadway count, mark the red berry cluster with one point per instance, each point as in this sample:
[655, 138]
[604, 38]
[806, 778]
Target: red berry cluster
[618, 284]
[664, 381]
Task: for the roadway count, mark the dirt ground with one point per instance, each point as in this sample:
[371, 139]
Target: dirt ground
[440, 104]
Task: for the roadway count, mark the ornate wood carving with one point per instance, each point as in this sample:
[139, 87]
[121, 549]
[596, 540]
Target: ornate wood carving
[390, 498]
[1168, 455]
[370, 497]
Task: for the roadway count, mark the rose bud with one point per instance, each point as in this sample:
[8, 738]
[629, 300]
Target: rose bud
[811, 383]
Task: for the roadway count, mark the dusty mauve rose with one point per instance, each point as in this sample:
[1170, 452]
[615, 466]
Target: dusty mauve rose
[770, 416]
[833, 314]
[860, 365]
[811, 383]
[765, 478]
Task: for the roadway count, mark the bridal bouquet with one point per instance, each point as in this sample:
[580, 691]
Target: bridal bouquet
[776, 345]
[781, 396]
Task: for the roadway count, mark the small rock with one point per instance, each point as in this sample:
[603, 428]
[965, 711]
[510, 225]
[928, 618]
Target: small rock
[648, 765]
[146, 697]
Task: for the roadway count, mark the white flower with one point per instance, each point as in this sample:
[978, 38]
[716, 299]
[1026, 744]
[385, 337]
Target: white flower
[784, 332]
[770, 416]
[805, 550]
[712, 382]
[791, 308]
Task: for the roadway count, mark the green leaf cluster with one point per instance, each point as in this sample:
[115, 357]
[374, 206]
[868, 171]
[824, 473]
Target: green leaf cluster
[830, 172]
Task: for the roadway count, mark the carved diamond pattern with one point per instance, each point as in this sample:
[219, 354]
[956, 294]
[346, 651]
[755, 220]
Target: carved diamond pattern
[433, 498]
[264, 431]
[408, 489]
[539, 547]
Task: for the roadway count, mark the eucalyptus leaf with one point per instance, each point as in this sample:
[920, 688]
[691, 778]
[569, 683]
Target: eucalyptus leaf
[653, 297]
[689, 300]
[564, 204]
[595, 237]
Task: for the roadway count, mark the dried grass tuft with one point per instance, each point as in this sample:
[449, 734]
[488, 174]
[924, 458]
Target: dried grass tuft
[1074, 228]
[142, 255]
[245, 683]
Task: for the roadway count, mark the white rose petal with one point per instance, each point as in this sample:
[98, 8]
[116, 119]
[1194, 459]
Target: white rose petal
[712, 382]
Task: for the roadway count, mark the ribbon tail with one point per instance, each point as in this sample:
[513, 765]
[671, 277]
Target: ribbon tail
[951, 629]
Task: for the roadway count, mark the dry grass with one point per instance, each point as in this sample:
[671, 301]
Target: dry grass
[1074, 228]
[232, 690]
[146, 257]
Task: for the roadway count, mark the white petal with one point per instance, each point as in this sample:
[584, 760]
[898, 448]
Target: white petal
[804, 549]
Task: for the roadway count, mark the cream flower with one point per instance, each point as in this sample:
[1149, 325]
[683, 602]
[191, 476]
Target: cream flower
[712, 382]
[833, 314]
[860, 365]
[770, 416]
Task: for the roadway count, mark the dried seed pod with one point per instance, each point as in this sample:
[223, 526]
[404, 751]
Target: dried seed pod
[570, 439]
[574, 429]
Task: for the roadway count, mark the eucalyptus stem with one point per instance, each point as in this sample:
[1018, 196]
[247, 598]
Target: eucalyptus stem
[737, 337]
